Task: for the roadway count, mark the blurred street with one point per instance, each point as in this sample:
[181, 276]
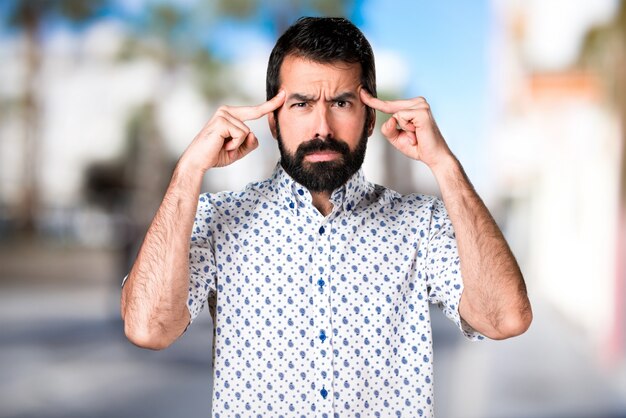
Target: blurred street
[63, 354]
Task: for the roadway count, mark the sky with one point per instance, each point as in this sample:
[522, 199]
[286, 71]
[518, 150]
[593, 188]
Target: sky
[445, 47]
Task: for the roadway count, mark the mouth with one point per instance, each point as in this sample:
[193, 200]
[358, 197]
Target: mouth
[320, 156]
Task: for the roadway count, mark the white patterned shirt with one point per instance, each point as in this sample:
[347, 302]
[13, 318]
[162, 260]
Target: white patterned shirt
[323, 316]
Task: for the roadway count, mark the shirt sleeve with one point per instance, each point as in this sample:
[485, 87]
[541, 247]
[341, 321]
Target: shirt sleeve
[202, 266]
[443, 269]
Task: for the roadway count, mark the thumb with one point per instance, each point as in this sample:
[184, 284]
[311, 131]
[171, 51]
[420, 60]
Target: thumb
[390, 130]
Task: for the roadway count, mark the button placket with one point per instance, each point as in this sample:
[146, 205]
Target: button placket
[321, 335]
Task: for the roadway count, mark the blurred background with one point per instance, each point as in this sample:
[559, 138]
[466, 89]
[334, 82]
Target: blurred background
[98, 99]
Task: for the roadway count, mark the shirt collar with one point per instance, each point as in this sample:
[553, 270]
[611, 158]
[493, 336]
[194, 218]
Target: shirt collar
[293, 196]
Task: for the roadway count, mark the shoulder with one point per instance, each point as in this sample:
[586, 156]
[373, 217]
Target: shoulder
[409, 204]
[232, 202]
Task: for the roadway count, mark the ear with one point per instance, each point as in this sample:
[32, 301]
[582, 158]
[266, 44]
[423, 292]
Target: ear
[271, 119]
[372, 121]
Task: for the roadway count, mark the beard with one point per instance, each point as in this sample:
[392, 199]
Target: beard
[323, 176]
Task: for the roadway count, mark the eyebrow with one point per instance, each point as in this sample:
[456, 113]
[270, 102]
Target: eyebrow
[343, 97]
[301, 97]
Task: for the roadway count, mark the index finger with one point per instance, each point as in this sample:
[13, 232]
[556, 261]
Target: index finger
[245, 113]
[390, 107]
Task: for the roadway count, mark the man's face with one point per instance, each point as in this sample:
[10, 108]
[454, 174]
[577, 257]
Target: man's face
[321, 128]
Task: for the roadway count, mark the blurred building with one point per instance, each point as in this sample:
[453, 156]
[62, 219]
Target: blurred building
[557, 142]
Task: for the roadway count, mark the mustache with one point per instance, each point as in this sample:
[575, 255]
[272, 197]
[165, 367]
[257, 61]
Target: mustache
[316, 145]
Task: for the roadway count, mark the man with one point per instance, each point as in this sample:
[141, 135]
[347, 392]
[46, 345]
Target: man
[322, 280]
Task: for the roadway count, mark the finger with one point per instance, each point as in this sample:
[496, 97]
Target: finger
[233, 136]
[400, 138]
[231, 130]
[226, 116]
[406, 119]
[245, 113]
[248, 145]
[390, 107]
[390, 130]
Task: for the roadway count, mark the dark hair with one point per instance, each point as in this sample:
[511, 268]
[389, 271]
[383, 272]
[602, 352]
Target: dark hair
[323, 40]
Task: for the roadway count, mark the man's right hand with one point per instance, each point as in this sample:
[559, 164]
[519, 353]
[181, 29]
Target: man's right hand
[226, 138]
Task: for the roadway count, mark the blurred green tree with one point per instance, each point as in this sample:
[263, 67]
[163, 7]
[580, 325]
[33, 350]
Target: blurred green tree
[283, 13]
[176, 35]
[30, 18]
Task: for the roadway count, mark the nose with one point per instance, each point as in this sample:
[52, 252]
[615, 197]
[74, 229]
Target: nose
[323, 123]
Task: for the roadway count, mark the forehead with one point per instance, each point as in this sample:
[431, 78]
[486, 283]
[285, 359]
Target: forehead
[301, 75]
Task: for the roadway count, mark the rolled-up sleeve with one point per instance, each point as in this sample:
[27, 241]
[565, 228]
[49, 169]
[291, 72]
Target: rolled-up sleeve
[444, 280]
[202, 266]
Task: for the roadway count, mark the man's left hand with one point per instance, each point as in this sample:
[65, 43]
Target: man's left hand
[411, 128]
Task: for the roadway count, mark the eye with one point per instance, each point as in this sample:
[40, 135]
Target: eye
[342, 103]
[300, 105]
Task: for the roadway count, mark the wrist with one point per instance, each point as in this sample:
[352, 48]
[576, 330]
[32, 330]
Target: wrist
[451, 178]
[187, 167]
[186, 174]
[445, 166]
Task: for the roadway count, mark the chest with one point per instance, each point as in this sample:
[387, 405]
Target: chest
[348, 263]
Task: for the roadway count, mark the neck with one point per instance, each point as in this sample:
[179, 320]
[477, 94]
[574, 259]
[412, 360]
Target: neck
[321, 201]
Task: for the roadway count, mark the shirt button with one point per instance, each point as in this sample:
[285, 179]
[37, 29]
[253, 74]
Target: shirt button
[321, 230]
[324, 393]
[322, 336]
[321, 283]
[291, 205]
